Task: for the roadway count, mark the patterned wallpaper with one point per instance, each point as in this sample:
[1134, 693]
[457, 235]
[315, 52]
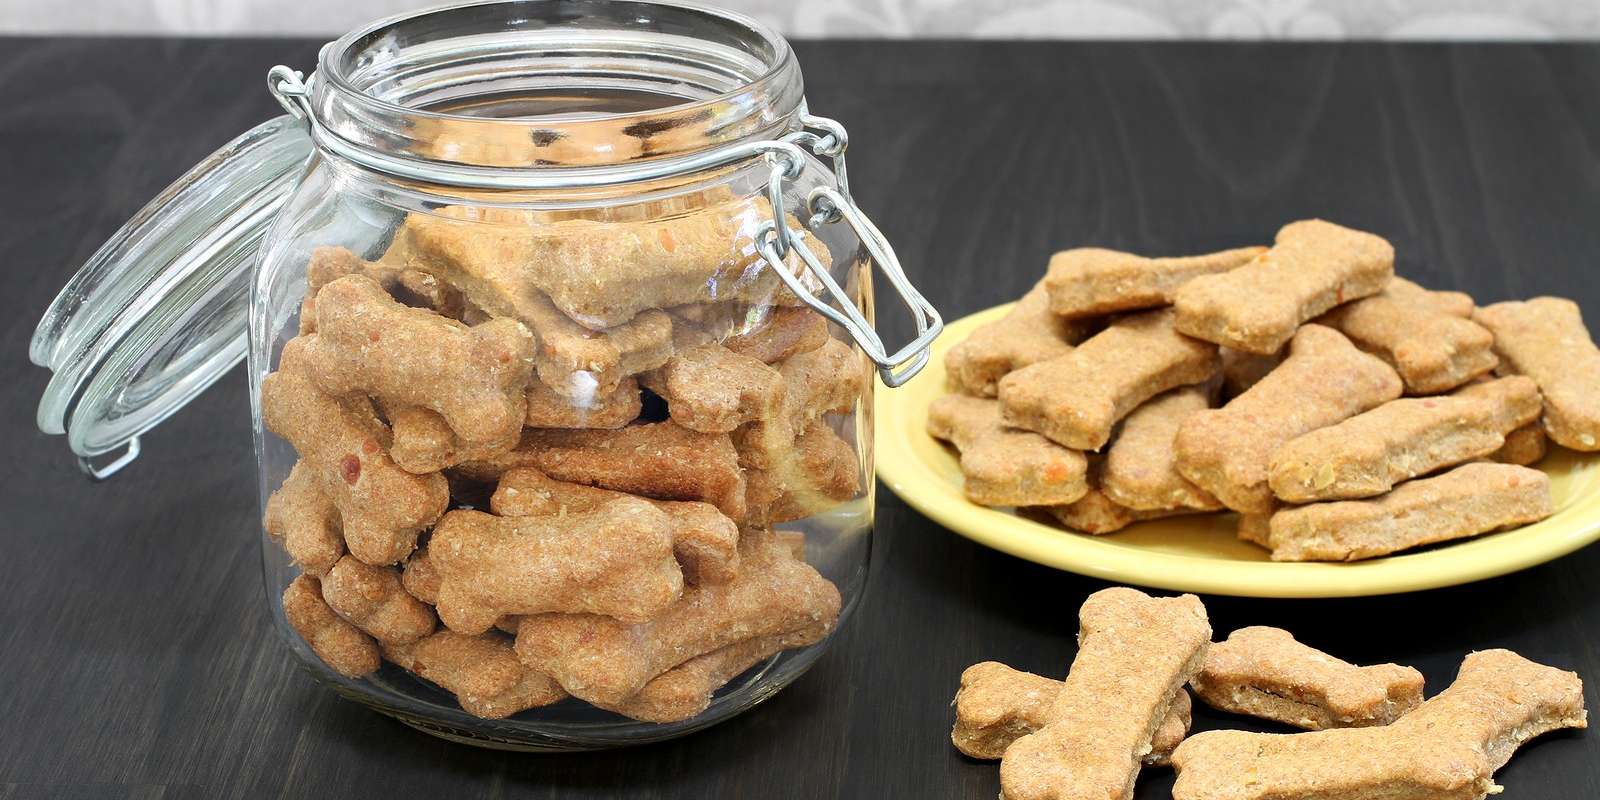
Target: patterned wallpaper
[1127, 19]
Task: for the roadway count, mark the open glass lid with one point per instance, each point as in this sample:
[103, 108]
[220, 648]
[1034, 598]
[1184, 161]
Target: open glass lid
[159, 312]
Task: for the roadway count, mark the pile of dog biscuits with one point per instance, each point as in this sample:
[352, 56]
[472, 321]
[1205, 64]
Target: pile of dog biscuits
[544, 456]
[1370, 733]
[1343, 412]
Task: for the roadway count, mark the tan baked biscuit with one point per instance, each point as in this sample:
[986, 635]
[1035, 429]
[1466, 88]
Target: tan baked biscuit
[684, 691]
[548, 408]
[481, 671]
[1545, 339]
[1256, 528]
[712, 389]
[423, 442]
[1241, 370]
[1524, 446]
[1028, 334]
[1140, 470]
[1097, 514]
[372, 599]
[1005, 466]
[1091, 281]
[828, 379]
[412, 287]
[1434, 350]
[340, 645]
[301, 517]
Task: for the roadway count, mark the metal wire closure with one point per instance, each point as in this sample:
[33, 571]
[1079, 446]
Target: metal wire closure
[821, 136]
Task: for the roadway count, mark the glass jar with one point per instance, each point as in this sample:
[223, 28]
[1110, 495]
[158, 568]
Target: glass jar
[558, 335]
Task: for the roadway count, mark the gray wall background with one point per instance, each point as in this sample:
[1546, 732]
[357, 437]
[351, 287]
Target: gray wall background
[1126, 19]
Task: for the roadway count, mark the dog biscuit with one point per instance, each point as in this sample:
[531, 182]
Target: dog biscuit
[1447, 749]
[1325, 379]
[381, 507]
[1028, 334]
[1077, 398]
[1256, 528]
[1312, 267]
[302, 519]
[997, 705]
[549, 409]
[1434, 350]
[340, 645]
[1264, 672]
[1097, 514]
[786, 332]
[606, 661]
[821, 471]
[1466, 501]
[684, 691]
[1005, 466]
[705, 541]
[1545, 339]
[1524, 446]
[419, 578]
[481, 671]
[412, 287]
[616, 560]
[827, 379]
[372, 599]
[1140, 470]
[1367, 454]
[422, 441]
[1135, 653]
[712, 389]
[1092, 282]
[1241, 370]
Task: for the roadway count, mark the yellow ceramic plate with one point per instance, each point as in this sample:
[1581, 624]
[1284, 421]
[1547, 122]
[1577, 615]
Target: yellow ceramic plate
[1201, 553]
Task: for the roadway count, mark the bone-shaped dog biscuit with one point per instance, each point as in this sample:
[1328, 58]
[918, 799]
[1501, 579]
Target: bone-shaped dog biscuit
[422, 441]
[1369, 453]
[473, 376]
[997, 705]
[820, 471]
[1432, 348]
[1077, 398]
[412, 287]
[1097, 514]
[1135, 653]
[1264, 672]
[785, 333]
[301, 517]
[381, 507]
[419, 578]
[828, 379]
[1313, 266]
[1006, 466]
[705, 541]
[1447, 749]
[1091, 281]
[548, 408]
[1466, 501]
[1241, 370]
[481, 671]
[606, 661]
[1324, 380]
[340, 645]
[1140, 470]
[372, 599]
[1028, 334]
[712, 389]
[1545, 339]
[616, 560]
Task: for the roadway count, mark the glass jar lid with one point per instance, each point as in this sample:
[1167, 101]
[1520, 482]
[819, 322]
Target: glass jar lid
[159, 312]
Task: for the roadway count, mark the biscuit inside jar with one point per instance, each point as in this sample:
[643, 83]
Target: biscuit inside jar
[540, 423]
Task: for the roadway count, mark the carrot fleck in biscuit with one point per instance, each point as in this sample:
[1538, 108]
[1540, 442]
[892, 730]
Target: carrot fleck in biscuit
[1005, 466]
[1466, 501]
[1312, 267]
[1028, 334]
[1545, 339]
[1077, 398]
[301, 517]
[1091, 281]
[340, 645]
[481, 671]
[1324, 380]
[372, 599]
[1447, 749]
[1135, 653]
[1264, 672]
[1433, 348]
[1140, 470]
[997, 705]
[1369, 453]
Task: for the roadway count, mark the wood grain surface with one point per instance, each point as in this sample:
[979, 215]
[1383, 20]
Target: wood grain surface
[136, 654]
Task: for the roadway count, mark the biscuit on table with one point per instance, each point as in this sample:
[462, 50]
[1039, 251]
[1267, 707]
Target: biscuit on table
[1135, 653]
[1433, 348]
[1545, 339]
[1027, 334]
[1466, 501]
[1324, 379]
[1092, 281]
[1263, 672]
[1369, 453]
[1140, 470]
[1313, 266]
[1447, 749]
[1076, 399]
[1005, 466]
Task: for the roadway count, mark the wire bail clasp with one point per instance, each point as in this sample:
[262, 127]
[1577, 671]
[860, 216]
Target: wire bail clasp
[292, 90]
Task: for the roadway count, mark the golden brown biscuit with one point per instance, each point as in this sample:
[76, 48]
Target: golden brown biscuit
[818, 473]
[423, 442]
[412, 287]
[303, 519]
[1241, 370]
[1135, 653]
[1077, 398]
[614, 409]
[1367, 454]
[1097, 514]
[1313, 266]
[1524, 446]
[1005, 466]
[1325, 379]
[481, 671]
[1447, 749]
[372, 599]
[1091, 282]
[773, 334]
[1433, 349]
[828, 379]
[1545, 339]
[1264, 672]
[1140, 470]
[340, 645]
[1466, 501]
[684, 691]
[1256, 528]
[712, 389]
[1028, 334]
[419, 577]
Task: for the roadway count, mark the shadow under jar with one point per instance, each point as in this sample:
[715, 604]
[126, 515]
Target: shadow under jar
[560, 341]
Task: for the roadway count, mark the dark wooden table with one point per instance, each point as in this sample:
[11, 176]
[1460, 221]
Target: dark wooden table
[136, 655]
